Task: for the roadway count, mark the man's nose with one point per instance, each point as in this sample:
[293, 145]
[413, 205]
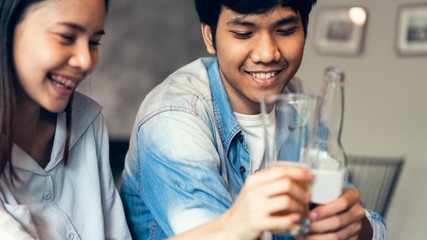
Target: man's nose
[265, 50]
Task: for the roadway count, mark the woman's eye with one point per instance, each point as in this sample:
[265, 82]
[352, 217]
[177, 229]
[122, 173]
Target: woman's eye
[66, 37]
[94, 44]
[242, 35]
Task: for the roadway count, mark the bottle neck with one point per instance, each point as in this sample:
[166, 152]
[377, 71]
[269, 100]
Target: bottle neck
[327, 125]
[331, 109]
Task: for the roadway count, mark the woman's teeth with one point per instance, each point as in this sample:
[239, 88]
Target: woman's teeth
[62, 82]
[264, 75]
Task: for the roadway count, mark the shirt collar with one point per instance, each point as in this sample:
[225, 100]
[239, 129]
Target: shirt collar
[224, 116]
[84, 111]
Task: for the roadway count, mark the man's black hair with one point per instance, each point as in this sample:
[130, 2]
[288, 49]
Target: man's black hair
[209, 10]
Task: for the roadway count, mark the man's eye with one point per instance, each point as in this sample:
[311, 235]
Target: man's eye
[242, 35]
[286, 32]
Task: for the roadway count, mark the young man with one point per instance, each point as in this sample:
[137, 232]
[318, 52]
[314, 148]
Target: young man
[196, 136]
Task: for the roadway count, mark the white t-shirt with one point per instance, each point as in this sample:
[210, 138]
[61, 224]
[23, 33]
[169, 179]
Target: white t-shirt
[253, 128]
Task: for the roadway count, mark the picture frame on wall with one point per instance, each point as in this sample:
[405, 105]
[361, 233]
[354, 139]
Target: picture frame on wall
[411, 36]
[340, 30]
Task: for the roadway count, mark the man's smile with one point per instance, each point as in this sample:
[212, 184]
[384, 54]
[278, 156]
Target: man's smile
[264, 75]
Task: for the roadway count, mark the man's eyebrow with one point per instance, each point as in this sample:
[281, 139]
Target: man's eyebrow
[80, 28]
[242, 22]
[286, 20]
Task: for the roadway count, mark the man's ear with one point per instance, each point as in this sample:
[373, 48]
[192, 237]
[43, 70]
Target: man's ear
[207, 38]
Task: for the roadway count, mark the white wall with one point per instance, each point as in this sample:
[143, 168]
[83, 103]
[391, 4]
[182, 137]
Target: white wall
[386, 109]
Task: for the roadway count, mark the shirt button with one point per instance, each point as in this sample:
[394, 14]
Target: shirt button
[242, 169]
[241, 138]
[70, 236]
[47, 196]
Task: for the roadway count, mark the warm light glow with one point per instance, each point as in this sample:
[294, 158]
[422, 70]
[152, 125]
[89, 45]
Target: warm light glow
[357, 15]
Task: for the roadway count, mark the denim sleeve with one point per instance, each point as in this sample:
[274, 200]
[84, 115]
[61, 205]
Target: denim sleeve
[180, 175]
[377, 222]
[378, 225]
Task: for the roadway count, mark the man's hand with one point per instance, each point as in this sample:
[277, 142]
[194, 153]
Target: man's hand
[253, 212]
[265, 193]
[343, 218]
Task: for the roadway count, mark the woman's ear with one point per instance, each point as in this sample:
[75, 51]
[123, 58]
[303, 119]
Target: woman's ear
[207, 38]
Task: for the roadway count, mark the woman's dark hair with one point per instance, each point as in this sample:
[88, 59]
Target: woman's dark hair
[11, 13]
[209, 10]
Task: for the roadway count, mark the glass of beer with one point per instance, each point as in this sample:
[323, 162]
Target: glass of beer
[286, 120]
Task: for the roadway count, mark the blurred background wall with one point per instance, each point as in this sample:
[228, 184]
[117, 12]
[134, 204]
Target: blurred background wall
[386, 96]
[386, 108]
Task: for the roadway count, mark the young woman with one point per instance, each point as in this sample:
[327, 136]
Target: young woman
[55, 179]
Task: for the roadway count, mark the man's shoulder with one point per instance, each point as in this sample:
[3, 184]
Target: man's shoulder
[184, 88]
[198, 67]
[188, 81]
[192, 77]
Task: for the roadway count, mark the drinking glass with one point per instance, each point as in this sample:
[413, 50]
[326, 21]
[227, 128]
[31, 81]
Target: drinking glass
[286, 120]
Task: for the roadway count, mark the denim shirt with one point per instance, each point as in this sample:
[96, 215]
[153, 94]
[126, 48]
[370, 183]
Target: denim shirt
[188, 157]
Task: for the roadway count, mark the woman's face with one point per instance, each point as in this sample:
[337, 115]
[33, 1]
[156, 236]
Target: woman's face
[55, 47]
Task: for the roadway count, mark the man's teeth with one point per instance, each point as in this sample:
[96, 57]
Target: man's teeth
[62, 82]
[264, 75]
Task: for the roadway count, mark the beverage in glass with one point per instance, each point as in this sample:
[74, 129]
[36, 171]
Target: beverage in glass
[286, 119]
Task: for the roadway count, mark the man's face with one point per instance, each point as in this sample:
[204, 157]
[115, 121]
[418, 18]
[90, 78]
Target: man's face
[257, 53]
